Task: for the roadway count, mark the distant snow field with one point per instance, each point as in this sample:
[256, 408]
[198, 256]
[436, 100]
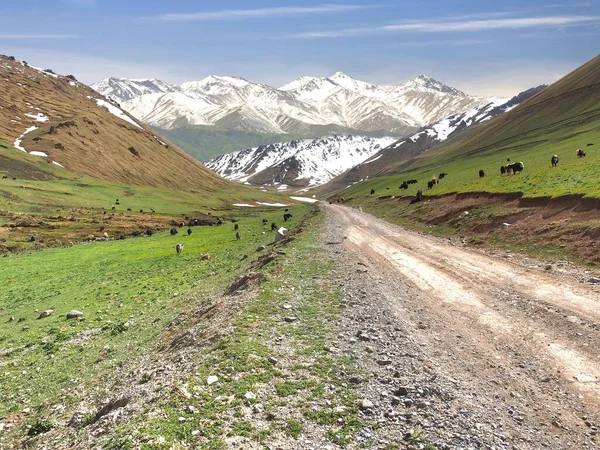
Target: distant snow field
[305, 199]
[272, 204]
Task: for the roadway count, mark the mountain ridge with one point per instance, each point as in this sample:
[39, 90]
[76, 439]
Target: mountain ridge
[295, 108]
[298, 163]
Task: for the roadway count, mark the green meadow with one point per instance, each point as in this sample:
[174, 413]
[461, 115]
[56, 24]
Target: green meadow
[128, 290]
[572, 176]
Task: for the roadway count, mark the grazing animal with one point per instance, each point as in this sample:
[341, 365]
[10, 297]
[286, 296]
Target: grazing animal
[265, 221]
[142, 211]
[238, 235]
[280, 234]
[442, 175]
[5, 177]
[181, 224]
[481, 173]
[507, 159]
[287, 217]
[179, 248]
[515, 168]
[148, 232]
[189, 231]
[430, 184]
[589, 144]
[554, 160]
[174, 231]
[236, 227]
[205, 257]
[372, 191]
[418, 198]
[502, 170]
[580, 153]
[414, 181]
[128, 209]
[404, 185]
[273, 226]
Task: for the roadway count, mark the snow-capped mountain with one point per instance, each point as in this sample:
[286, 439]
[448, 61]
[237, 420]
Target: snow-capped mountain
[338, 102]
[427, 137]
[122, 89]
[299, 163]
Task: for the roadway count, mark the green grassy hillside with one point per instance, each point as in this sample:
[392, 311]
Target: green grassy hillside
[559, 120]
[129, 291]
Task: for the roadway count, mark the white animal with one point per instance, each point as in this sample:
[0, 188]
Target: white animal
[179, 248]
[280, 234]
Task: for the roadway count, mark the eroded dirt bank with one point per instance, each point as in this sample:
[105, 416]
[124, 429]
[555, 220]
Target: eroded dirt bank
[545, 227]
[478, 351]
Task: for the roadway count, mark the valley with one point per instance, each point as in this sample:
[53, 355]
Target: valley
[352, 265]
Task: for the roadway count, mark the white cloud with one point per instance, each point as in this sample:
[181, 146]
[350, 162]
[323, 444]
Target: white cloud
[25, 36]
[450, 26]
[279, 11]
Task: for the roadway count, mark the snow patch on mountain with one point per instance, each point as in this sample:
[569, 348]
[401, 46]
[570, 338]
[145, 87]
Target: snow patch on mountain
[19, 140]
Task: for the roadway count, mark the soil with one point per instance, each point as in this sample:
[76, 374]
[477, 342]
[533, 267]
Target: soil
[478, 350]
[568, 223]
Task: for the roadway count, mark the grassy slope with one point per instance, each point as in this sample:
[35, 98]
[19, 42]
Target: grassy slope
[140, 281]
[205, 143]
[87, 138]
[561, 119]
[55, 206]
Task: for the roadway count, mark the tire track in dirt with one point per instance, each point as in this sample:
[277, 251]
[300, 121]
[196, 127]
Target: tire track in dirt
[526, 327]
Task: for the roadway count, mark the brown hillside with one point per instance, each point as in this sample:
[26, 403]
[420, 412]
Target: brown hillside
[88, 139]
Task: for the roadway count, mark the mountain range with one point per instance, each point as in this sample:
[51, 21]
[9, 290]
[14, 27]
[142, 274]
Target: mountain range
[311, 163]
[307, 107]
[299, 163]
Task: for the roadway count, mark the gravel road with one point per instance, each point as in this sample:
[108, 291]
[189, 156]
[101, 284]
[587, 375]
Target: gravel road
[476, 350]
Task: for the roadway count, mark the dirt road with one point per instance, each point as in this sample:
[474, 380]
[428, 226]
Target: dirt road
[512, 334]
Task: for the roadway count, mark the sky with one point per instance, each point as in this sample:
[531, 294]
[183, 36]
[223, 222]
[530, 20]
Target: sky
[484, 48]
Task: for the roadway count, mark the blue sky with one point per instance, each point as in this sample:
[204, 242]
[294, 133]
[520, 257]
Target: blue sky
[483, 48]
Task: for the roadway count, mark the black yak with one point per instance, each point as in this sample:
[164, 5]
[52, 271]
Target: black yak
[554, 160]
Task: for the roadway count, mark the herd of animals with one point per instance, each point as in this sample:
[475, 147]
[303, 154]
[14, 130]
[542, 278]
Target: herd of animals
[505, 169]
[236, 227]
